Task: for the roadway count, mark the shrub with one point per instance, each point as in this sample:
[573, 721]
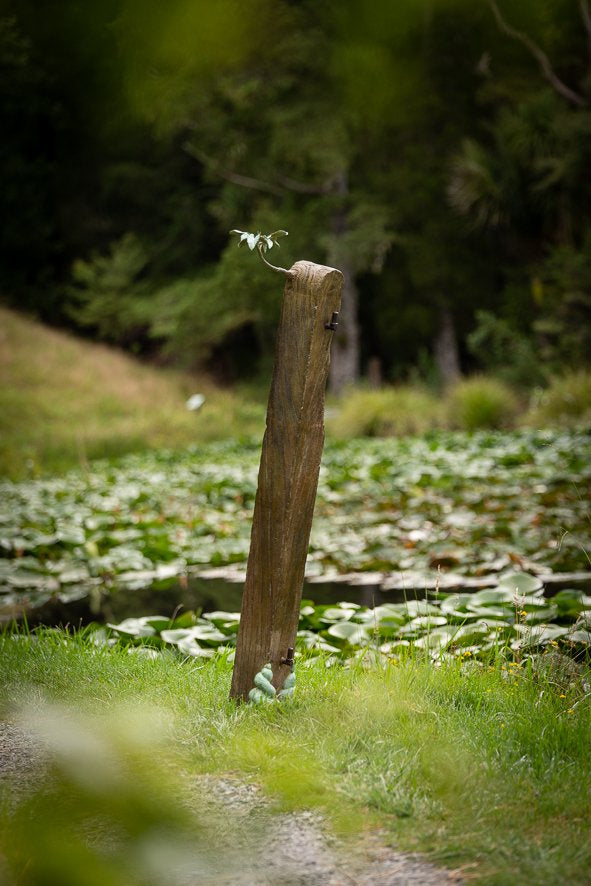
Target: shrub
[481, 402]
[503, 351]
[567, 401]
[386, 412]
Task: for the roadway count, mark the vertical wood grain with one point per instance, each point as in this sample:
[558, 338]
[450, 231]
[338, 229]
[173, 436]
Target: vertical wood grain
[288, 476]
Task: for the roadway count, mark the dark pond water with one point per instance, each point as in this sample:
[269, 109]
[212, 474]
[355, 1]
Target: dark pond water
[207, 594]
[197, 594]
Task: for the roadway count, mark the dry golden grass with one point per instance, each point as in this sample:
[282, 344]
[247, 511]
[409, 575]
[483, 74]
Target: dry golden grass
[65, 401]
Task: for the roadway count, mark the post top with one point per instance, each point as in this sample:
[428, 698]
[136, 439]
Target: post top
[307, 273]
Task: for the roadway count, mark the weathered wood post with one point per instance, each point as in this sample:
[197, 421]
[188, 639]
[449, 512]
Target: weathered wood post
[288, 476]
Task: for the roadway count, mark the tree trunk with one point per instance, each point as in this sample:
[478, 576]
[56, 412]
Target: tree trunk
[445, 349]
[344, 364]
[288, 476]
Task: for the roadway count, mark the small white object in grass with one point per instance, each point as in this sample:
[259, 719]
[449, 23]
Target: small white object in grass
[195, 402]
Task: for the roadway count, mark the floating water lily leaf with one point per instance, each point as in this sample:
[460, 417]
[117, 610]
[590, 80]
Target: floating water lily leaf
[520, 583]
[570, 602]
[582, 637]
[538, 635]
[583, 621]
[392, 612]
[436, 638]
[421, 607]
[33, 581]
[492, 597]
[491, 611]
[175, 634]
[134, 627]
[224, 620]
[425, 622]
[208, 634]
[145, 651]
[311, 640]
[541, 614]
[468, 634]
[334, 614]
[396, 647]
[354, 634]
[72, 593]
[531, 603]
[190, 646]
[456, 603]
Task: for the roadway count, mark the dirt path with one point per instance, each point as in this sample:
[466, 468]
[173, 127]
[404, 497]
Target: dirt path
[294, 849]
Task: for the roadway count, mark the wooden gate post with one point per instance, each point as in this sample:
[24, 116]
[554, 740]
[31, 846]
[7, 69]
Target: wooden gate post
[288, 476]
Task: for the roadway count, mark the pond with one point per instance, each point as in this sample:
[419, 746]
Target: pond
[221, 589]
[163, 533]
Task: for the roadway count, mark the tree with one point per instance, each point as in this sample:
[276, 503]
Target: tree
[529, 187]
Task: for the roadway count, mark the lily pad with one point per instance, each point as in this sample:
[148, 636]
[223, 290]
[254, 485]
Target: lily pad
[520, 583]
[353, 634]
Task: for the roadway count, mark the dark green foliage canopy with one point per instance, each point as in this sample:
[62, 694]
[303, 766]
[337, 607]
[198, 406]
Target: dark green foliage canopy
[437, 151]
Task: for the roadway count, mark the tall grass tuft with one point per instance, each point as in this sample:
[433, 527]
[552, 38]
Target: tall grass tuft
[387, 412]
[566, 401]
[482, 402]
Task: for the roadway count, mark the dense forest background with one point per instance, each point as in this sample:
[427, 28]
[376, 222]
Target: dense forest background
[437, 151]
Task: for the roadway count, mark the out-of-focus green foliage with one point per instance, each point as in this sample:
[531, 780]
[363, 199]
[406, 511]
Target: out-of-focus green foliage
[419, 145]
[504, 350]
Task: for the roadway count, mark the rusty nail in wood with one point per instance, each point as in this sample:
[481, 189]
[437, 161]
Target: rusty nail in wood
[289, 658]
[333, 321]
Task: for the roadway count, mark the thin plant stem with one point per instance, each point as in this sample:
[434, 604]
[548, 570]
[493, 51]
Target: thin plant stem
[269, 265]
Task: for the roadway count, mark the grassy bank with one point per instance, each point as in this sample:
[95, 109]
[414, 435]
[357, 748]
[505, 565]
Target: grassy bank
[65, 401]
[481, 768]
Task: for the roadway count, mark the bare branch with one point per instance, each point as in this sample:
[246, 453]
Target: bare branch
[540, 56]
[303, 187]
[282, 182]
[245, 181]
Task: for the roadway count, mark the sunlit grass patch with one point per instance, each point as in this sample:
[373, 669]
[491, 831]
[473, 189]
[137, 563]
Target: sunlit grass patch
[483, 764]
[65, 402]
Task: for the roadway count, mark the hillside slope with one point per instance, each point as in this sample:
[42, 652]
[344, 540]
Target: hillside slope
[65, 401]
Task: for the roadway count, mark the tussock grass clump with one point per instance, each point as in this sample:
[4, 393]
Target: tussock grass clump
[386, 412]
[481, 402]
[565, 402]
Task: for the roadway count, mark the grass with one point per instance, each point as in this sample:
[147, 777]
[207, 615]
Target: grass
[482, 769]
[482, 402]
[386, 412]
[65, 401]
[566, 400]
[478, 402]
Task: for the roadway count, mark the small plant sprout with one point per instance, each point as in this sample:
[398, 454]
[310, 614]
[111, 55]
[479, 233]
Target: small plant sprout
[262, 243]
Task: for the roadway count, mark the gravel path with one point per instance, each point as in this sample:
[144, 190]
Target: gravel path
[294, 849]
[298, 850]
